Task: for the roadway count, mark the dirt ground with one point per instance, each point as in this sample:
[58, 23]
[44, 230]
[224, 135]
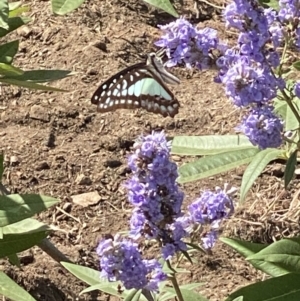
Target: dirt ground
[56, 144]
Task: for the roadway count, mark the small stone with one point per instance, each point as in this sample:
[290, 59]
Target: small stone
[14, 160]
[42, 166]
[86, 199]
[40, 113]
[83, 180]
[25, 31]
[67, 207]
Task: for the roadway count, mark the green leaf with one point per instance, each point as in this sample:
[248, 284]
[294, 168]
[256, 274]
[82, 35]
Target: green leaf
[8, 51]
[62, 7]
[15, 207]
[209, 145]
[29, 85]
[13, 24]
[192, 296]
[14, 259]
[212, 165]
[270, 3]
[28, 225]
[11, 244]
[284, 110]
[1, 166]
[283, 288]
[241, 298]
[18, 11]
[296, 65]
[14, 5]
[7, 70]
[246, 249]
[255, 168]
[4, 11]
[88, 275]
[290, 168]
[134, 295]
[11, 290]
[164, 5]
[42, 76]
[195, 247]
[284, 253]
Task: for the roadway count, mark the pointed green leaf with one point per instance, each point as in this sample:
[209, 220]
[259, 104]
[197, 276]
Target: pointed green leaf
[192, 296]
[285, 253]
[15, 207]
[88, 275]
[9, 70]
[18, 10]
[195, 247]
[28, 225]
[241, 298]
[290, 168]
[296, 65]
[42, 76]
[255, 168]
[11, 290]
[284, 110]
[209, 145]
[13, 24]
[164, 5]
[14, 259]
[11, 244]
[8, 51]
[246, 249]
[212, 165]
[29, 85]
[14, 5]
[62, 7]
[4, 14]
[283, 288]
[134, 295]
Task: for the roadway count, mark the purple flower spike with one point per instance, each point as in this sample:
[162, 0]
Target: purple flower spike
[154, 193]
[263, 128]
[184, 43]
[121, 260]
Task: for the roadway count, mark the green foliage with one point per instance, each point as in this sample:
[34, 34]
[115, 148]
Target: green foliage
[164, 5]
[256, 167]
[9, 289]
[280, 260]
[281, 288]
[9, 74]
[62, 7]
[270, 4]
[92, 278]
[246, 249]
[290, 168]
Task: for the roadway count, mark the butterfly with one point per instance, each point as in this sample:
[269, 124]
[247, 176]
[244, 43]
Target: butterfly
[142, 85]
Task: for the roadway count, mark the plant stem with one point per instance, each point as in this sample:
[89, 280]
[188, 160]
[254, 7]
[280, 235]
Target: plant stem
[174, 282]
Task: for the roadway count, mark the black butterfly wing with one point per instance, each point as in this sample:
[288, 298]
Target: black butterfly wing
[134, 87]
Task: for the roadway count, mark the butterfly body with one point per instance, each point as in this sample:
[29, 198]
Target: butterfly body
[140, 85]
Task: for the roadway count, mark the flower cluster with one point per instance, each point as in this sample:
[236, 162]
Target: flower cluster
[246, 71]
[155, 195]
[262, 127]
[157, 200]
[121, 260]
[186, 44]
[210, 209]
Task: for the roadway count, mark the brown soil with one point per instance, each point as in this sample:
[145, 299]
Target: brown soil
[55, 138]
